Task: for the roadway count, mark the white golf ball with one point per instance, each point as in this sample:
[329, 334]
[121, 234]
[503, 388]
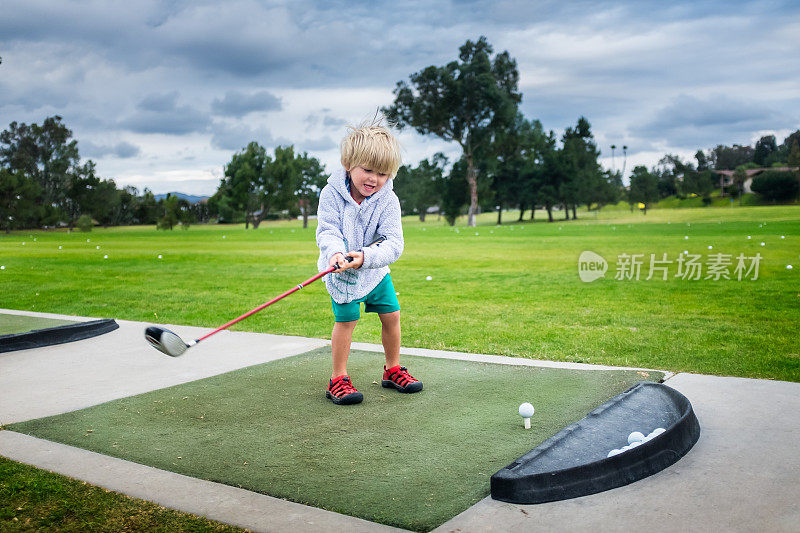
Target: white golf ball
[2, 267]
[686, 237]
[105, 257]
[526, 410]
[710, 247]
[96, 247]
[783, 236]
[429, 278]
[749, 237]
[23, 244]
[59, 247]
[614, 452]
[763, 244]
[656, 432]
[636, 436]
[788, 267]
[88, 240]
[159, 256]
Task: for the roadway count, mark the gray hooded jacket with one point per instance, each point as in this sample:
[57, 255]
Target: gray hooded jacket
[345, 226]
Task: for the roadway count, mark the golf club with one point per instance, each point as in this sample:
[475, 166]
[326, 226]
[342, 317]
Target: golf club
[171, 344]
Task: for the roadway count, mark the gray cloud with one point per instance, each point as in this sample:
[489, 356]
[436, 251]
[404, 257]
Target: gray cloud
[160, 113]
[317, 145]
[237, 104]
[236, 136]
[693, 122]
[121, 150]
[641, 72]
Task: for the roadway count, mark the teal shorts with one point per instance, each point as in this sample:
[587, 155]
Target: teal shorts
[382, 299]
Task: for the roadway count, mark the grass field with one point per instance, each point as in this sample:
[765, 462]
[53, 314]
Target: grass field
[408, 460]
[35, 500]
[512, 289]
[22, 324]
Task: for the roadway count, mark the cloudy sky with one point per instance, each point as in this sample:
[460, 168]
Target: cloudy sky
[161, 94]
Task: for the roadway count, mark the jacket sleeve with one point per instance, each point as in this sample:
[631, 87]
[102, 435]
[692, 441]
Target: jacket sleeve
[390, 226]
[329, 232]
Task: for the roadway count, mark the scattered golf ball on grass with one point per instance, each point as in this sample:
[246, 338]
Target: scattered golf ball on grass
[429, 278]
[105, 257]
[526, 411]
[788, 267]
[159, 256]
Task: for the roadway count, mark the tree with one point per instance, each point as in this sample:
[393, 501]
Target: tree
[19, 200]
[730, 157]
[147, 208]
[466, 101]
[452, 191]
[776, 185]
[765, 146]
[310, 182]
[418, 187]
[549, 177]
[169, 213]
[241, 182]
[276, 185]
[584, 178]
[48, 155]
[794, 154]
[643, 188]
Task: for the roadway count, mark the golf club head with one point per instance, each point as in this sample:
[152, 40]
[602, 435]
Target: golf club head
[165, 341]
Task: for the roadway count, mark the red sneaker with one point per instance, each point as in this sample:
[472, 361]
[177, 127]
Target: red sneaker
[399, 378]
[342, 392]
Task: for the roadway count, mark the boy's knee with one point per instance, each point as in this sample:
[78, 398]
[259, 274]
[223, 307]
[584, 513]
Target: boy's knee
[351, 324]
[390, 318]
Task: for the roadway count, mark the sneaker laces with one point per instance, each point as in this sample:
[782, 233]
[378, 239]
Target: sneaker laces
[342, 387]
[402, 377]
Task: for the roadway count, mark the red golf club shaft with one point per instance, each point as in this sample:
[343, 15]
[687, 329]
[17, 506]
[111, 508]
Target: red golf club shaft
[262, 306]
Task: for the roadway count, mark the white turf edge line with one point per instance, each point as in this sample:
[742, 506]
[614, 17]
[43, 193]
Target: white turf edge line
[223, 503]
[503, 360]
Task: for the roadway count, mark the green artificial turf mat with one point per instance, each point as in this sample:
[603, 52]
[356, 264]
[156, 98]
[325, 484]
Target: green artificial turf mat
[411, 461]
[22, 324]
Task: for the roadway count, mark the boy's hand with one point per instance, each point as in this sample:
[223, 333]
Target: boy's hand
[357, 261]
[345, 261]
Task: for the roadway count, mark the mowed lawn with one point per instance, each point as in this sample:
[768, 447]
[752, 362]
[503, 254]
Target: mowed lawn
[512, 289]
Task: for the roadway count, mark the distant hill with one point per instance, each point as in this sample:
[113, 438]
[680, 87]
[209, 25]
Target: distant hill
[192, 199]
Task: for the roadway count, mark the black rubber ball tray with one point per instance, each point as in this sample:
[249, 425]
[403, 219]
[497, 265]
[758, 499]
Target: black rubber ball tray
[574, 462]
[57, 335]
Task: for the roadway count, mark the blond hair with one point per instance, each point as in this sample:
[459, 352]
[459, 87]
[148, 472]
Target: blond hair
[371, 146]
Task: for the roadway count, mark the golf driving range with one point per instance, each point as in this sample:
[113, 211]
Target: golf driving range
[268, 428]
[246, 408]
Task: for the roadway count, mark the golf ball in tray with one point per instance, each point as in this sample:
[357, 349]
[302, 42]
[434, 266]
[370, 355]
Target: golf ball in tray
[635, 439]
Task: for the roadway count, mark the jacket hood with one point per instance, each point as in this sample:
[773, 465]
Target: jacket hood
[338, 180]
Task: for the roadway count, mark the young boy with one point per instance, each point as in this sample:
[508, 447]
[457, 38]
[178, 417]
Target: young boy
[358, 207]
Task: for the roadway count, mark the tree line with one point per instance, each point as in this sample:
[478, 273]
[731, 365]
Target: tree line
[44, 183]
[673, 176]
[507, 161]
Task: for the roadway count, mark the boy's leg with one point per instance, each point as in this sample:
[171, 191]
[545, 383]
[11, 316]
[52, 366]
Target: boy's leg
[390, 337]
[341, 338]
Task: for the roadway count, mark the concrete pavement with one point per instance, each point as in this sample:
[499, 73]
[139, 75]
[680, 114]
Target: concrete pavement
[742, 475]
